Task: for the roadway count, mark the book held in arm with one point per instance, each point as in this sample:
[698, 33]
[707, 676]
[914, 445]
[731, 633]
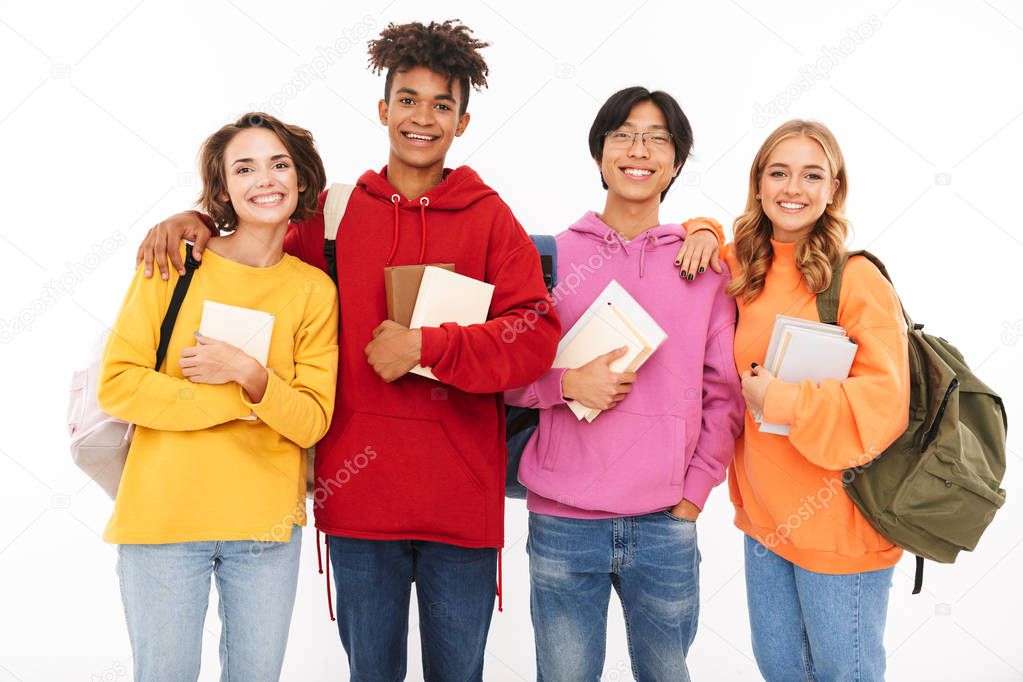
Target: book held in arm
[244, 328]
[445, 297]
[802, 350]
[614, 320]
[401, 286]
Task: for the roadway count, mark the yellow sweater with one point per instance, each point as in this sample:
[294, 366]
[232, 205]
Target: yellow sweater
[195, 471]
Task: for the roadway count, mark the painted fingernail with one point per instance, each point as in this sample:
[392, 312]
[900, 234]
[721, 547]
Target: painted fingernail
[683, 273]
[164, 275]
[690, 277]
[678, 263]
[754, 365]
[702, 269]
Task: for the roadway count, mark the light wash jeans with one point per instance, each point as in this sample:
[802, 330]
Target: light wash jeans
[652, 561]
[815, 626]
[166, 589]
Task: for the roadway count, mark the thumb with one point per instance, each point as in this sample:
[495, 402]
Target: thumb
[715, 264]
[202, 340]
[615, 354]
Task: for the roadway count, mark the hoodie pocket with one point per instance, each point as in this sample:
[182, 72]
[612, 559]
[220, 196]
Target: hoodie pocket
[408, 477]
[680, 446]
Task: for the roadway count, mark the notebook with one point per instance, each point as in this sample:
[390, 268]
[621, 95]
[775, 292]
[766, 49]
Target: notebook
[401, 285]
[613, 320]
[446, 296]
[806, 351]
[245, 328]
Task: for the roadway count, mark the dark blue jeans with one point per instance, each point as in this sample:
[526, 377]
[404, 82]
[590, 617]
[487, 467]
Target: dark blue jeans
[652, 561]
[455, 591]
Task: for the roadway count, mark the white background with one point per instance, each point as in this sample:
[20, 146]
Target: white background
[104, 105]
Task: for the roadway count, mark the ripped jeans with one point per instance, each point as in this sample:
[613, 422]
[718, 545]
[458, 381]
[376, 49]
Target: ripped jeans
[652, 561]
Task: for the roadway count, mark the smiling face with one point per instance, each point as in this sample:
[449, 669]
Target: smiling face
[422, 117]
[795, 187]
[261, 180]
[637, 171]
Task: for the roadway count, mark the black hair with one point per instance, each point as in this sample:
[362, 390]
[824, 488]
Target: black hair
[447, 48]
[615, 112]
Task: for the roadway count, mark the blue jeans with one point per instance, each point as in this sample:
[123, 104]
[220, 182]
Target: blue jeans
[652, 561]
[455, 591]
[815, 626]
[166, 589]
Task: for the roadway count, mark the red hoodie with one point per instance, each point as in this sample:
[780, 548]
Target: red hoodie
[417, 459]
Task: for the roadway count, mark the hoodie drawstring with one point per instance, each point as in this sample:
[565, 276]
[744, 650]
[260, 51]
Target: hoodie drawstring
[319, 565]
[423, 203]
[394, 242]
[650, 240]
[500, 588]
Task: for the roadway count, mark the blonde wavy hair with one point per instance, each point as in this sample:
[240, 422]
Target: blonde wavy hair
[816, 253]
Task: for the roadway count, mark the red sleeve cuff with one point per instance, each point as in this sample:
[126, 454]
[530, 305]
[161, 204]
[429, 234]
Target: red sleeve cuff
[435, 341]
[780, 402]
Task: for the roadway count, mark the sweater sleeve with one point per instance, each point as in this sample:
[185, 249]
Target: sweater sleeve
[519, 340]
[694, 225]
[542, 394]
[301, 409]
[129, 386]
[841, 424]
[723, 406]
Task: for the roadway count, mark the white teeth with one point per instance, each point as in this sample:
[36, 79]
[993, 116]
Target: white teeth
[789, 204]
[268, 199]
[419, 137]
[638, 172]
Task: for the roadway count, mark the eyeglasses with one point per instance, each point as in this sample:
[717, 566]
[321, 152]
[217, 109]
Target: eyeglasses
[627, 138]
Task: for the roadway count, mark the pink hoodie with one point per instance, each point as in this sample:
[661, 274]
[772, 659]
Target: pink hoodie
[674, 435]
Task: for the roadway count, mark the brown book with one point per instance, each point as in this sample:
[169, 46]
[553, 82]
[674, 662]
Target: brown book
[401, 283]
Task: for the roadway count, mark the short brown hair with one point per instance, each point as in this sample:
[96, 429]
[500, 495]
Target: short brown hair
[447, 48]
[300, 145]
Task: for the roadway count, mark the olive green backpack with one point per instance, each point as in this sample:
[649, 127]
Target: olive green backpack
[938, 486]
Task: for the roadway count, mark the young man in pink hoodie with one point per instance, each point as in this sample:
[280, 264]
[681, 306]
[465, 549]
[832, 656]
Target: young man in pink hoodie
[615, 502]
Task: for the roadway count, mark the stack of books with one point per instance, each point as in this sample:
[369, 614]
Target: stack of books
[801, 350]
[614, 320]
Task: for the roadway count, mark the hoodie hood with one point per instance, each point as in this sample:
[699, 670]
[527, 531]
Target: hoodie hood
[460, 188]
[593, 227]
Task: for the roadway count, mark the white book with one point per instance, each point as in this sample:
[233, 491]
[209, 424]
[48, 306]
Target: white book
[805, 354]
[783, 322]
[613, 320]
[247, 329]
[446, 296]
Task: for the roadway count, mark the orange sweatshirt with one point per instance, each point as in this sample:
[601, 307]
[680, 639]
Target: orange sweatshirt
[788, 491]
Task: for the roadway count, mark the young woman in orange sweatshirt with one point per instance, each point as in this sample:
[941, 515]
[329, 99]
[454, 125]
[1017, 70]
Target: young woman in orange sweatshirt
[817, 574]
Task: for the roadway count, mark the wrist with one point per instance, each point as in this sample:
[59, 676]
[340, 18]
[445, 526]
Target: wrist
[567, 383]
[417, 345]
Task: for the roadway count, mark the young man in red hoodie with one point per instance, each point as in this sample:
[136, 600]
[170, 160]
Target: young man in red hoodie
[410, 477]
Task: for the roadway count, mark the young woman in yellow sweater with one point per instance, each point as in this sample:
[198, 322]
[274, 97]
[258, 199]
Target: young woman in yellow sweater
[214, 483]
[817, 574]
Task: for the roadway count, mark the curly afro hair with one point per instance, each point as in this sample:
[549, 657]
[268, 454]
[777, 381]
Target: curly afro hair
[447, 48]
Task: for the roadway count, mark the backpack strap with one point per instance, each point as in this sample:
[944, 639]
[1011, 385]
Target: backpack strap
[827, 300]
[177, 298]
[333, 211]
[547, 247]
[918, 578]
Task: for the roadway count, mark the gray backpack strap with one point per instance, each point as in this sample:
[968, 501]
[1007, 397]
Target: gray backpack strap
[333, 211]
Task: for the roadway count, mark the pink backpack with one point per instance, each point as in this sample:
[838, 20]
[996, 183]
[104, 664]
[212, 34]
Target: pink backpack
[99, 442]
